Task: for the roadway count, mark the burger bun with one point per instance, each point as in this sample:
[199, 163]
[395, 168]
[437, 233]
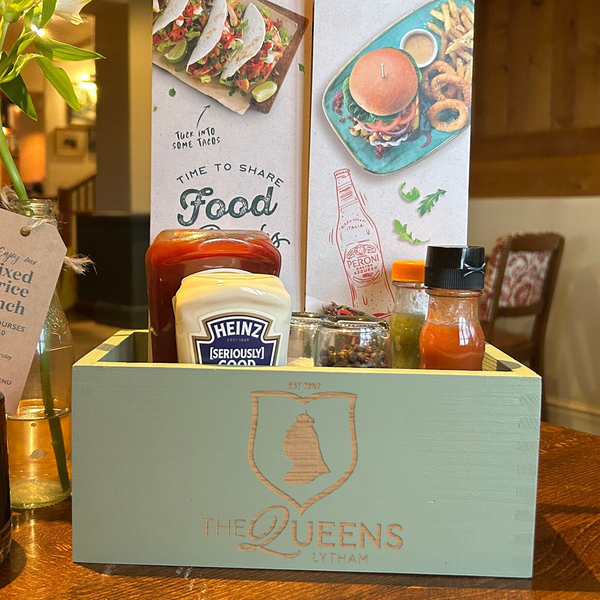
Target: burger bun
[384, 82]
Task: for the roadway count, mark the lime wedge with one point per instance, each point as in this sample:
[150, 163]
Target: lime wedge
[178, 52]
[264, 91]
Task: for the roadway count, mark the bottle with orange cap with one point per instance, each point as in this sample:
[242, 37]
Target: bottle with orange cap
[410, 309]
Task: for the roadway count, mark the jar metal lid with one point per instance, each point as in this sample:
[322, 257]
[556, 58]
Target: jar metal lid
[307, 316]
[353, 322]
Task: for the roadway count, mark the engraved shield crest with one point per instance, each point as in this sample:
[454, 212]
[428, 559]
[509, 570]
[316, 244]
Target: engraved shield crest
[303, 449]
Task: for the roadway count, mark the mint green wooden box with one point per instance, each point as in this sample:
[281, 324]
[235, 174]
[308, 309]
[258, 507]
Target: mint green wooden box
[322, 469]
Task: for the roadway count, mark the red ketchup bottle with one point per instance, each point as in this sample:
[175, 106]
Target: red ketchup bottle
[176, 254]
[452, 338]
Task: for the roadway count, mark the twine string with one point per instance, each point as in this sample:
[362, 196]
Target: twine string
[9, 201]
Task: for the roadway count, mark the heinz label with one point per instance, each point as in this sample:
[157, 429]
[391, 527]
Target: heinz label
[237, 340]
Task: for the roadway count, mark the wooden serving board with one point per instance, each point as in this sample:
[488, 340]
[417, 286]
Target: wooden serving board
[304, 469]
[284, 64]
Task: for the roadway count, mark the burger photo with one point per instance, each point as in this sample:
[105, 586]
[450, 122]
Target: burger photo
[381, 97]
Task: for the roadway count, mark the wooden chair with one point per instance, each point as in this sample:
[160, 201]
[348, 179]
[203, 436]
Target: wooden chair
[520, 281]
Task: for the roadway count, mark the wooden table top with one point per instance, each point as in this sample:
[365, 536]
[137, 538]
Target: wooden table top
[567, 555]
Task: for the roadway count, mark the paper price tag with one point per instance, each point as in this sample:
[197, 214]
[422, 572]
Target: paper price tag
[29, 269]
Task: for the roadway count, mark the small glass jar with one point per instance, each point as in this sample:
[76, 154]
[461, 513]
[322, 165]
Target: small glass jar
[303, 329]
[408, 315]
[452, 338]
[353, 342]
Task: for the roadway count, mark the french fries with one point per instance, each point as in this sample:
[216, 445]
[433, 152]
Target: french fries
[469, 13]
[456, 32]
[464, 19]
[453, 9]
[435, 29]
[465, 41]
[447, 19]
[469, 73]
[443, 46]
[455, 27]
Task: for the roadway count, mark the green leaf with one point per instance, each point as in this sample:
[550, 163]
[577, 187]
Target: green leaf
[411, 196]
[59, 79]
[31, 17]
[55, 50]
[21, 5]
[19, 46]
[414, 62]
[15, 9]
[241, 26]
[285, 37]
[20, 63]
[48, 7]
[301, 67]
[405, 235]
[16, 90]
[429, 202]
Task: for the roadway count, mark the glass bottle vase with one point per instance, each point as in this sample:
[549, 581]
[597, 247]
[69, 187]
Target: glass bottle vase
[39, 431]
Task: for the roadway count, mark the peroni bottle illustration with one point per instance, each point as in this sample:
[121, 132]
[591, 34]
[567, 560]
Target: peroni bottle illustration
[360, 250]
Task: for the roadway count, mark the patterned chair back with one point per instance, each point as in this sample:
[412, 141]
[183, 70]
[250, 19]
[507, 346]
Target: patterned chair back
[521, 277]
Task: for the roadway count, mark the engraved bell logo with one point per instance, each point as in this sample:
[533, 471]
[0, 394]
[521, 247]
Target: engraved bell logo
[301, 445]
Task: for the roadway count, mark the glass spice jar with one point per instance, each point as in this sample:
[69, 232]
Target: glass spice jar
[452, 338]
[353, 342]
[410, 310]
[303, 329]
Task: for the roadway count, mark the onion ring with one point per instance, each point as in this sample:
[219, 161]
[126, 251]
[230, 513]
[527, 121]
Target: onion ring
[436, 68]
[448, 104]
[438, 83]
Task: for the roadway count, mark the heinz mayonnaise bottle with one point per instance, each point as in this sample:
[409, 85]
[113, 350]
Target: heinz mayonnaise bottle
[232, 318]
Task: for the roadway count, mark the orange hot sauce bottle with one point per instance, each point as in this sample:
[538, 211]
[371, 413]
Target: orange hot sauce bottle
[452, 338]
[176, 254]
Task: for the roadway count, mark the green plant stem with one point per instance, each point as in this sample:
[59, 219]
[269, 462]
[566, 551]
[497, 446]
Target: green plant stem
[56, 434]
[3, 28]
[9, 163]
[58, 442]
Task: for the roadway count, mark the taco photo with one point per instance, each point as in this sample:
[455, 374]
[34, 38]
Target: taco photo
[236, 53]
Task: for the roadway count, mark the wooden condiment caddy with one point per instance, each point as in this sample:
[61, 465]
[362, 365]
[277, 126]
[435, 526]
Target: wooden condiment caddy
[309, 469]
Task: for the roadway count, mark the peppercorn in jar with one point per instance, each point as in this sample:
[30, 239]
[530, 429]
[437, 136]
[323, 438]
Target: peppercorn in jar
[353, 342]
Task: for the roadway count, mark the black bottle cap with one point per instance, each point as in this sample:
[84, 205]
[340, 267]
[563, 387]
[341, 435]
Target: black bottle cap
[455, 267]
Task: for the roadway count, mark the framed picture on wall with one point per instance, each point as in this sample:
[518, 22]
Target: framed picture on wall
[71, 142]
[87, 95]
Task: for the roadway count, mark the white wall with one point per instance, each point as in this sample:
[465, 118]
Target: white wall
[573, 342]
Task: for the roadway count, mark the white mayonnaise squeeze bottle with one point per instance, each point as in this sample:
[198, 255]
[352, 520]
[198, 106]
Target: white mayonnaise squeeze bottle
[231, 318]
